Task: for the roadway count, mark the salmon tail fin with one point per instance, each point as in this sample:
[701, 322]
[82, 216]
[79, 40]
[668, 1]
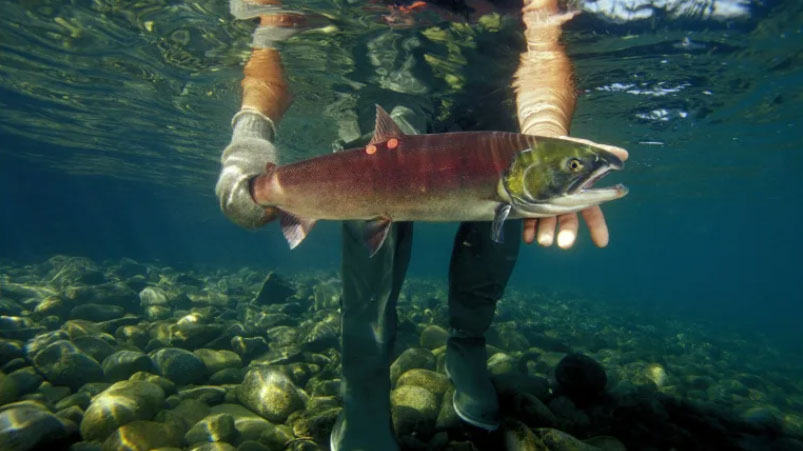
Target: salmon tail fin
[295, 229]
[375, 233]
[385, 127]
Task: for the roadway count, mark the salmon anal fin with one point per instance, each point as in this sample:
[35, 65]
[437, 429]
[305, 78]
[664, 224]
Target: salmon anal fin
[295, 229]
[502, 212]
[375, 233]
[385, 127]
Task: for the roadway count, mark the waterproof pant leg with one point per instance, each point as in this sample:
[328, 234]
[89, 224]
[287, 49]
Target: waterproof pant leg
[478, 274]
[371, 288]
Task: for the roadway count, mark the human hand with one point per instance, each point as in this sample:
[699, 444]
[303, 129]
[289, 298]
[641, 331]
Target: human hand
[544, 228]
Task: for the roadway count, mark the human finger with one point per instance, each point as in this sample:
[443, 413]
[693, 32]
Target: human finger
[597, 227]
[528, 233]
[567, 230]
[546, 231]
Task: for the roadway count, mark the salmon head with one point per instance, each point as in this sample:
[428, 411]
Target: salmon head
[557, 175]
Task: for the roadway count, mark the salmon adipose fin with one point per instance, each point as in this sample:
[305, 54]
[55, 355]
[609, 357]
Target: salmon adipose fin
[375, 233]
[295, 229]
[385, 128]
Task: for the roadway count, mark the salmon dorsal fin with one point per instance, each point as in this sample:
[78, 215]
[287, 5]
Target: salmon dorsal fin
[385, 127]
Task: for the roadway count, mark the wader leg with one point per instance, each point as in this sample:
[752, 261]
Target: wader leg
[478, 274]
[371, 288]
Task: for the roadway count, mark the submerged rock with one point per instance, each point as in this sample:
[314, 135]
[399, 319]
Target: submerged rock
[95, 347]
[122, 364]
[179, 365]
[96, 312]
[581, 377]
[433, 337]
[27, 427]
[249, 425]
[214, 428]
[120, 404]
[143, 435]
[63, 363]
[414, 410]
[436, 383]
[270, 393]
[215, 360]
[409, 359]
[275, 290]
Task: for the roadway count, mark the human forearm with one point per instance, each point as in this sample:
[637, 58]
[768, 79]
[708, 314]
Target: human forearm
[545, 95]
[266, 97]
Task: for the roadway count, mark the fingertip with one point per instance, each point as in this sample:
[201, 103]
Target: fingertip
[597, 227]
[566, 238]
[528, 233]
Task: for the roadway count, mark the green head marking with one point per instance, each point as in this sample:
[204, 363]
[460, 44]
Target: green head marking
[555, 175]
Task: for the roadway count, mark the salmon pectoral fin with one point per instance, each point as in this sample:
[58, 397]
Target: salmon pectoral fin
[385, 127]
[295, 229]
[375, 233]
[502, 212]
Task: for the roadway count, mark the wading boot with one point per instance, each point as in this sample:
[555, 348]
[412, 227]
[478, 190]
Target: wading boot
[475, 400]
[478, 273]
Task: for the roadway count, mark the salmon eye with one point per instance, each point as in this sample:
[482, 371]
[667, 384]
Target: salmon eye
[575, 165]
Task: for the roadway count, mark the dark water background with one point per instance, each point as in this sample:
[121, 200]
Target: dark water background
[110, 134]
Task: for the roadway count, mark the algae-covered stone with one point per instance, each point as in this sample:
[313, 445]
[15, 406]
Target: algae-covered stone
[26, 380]
[532, 411]
[214, 446]
[248, 347]
[412, 358]
[122, 364]
[8, 389]
[414, 409]
[436, 383]
[95, 347]
[208, 394]
[20, 328]
[122, 403]
[249, 425]
[227, 376]
[73, 413]
[447, 417]
[10, 350]
[185, 414]
[142, 436]
[166, 384]
[327, 295]
[556, 440]
[318, 426]
[27, 426]
[152, 296]
[215, 360]
[62, 363]
[96, 312]
[179, 365]
[214, 428]
[519, 437]
[276, 437]
[275, 290]
[433, 337]
[192, 335]
[270, 393]
[501, 363]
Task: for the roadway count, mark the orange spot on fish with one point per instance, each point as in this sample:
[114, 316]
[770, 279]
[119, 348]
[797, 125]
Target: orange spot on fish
[370, 149]
[393, 143]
